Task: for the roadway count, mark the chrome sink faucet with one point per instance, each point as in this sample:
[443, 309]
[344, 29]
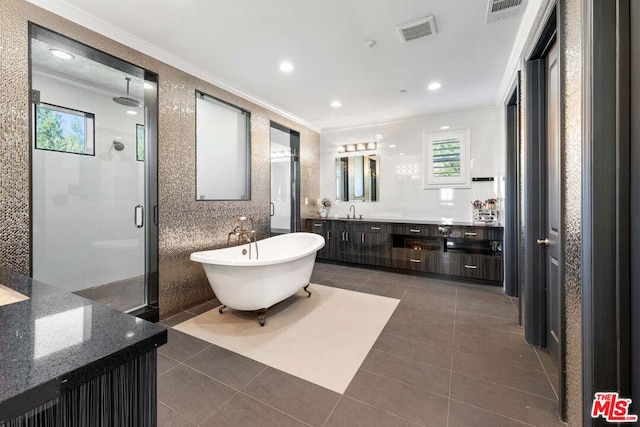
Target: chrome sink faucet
[354, 212]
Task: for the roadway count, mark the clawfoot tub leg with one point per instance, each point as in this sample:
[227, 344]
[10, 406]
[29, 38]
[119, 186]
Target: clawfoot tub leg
[307, 291]
[261, 316]
[221, 308]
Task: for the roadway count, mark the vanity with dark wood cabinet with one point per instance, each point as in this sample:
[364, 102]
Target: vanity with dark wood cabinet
[468, 251]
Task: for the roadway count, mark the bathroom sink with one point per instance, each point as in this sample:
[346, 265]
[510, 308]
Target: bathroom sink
[9, 296]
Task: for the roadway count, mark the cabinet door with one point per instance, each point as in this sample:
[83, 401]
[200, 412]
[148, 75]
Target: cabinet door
[375, 245]
[346, 246]
[319, 227]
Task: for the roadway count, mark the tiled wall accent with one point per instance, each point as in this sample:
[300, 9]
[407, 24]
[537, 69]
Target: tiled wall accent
[185, 225]
[14, 136]
[571, 125]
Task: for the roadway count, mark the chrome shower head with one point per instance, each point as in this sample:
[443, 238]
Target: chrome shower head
[118, 146]
[125, 100]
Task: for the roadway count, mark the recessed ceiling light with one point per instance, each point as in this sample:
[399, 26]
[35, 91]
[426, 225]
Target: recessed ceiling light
[286, 67]
[392, 146]
[131, 112]
[444, 127]
[434, 86]
[402, 154]
[336, 104]
[61, 54]
[378, 137]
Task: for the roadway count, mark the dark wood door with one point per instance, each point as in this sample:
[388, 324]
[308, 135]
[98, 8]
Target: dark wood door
[552, 238]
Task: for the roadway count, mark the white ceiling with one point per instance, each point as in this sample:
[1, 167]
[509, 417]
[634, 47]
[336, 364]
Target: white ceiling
[240, 44]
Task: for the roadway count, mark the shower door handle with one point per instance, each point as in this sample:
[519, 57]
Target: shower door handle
[138, 216]
[273, 209]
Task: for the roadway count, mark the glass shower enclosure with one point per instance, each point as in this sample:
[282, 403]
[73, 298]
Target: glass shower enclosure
[285, 182]
[94, 173]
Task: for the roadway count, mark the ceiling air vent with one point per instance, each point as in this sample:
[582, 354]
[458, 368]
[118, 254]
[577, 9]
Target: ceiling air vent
[499, 9]
[417, 29]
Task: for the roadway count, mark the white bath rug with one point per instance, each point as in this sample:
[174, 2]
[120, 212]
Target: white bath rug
[322, 339]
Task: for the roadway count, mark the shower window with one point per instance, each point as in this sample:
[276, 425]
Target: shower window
[140, 143]
[63, 129]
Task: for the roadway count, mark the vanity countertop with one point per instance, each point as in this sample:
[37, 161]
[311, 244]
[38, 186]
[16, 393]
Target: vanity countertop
[54, 340]
[410, 221]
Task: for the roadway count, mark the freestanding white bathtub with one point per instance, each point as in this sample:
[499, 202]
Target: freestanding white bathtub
[283, 267]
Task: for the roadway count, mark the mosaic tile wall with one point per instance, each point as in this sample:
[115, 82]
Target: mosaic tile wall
[571, 33]
[185, 225]
[571, 62]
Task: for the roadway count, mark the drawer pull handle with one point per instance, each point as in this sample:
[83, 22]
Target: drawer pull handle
[375, 228]
[466, 233]
[317, 225]
[362, 238]
[413, 230]
[415, 260]
[472, 267]
[329, 235]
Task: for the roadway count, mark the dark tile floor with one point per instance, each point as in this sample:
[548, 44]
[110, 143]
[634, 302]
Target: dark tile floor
[123, 295]
[451, 355]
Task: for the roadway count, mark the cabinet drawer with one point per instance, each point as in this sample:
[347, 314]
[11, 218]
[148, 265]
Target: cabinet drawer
[415, 230]
[481, 267]
[415, 260]
[471, 233]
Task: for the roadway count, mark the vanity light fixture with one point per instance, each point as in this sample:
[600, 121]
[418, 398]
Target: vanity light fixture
[131, 112]
[286, 67]
[361, 146]
[434, 86]
[61, 54]
[336, 104]
[444, 127]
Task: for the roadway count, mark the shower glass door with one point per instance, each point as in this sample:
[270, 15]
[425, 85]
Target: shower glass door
[90, 173]
[285, 213]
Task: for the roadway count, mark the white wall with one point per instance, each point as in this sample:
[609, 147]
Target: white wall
[83, 206]
[401, 191]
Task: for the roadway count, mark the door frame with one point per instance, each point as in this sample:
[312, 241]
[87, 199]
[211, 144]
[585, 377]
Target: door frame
[609, 198]
[535, 222]
[512, 195]
[150, 311]
[294, 143]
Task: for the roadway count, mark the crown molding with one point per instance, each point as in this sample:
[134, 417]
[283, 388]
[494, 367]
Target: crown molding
[80, 17]
[527, 23]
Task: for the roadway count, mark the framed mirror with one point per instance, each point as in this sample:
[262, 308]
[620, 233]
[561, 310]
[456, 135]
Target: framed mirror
[357, 178]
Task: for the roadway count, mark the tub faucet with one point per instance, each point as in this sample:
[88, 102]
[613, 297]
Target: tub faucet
[354, 212]
[243, 235]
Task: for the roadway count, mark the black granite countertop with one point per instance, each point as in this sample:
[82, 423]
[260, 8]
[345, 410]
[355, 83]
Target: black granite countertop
[56, 340]
[411, 221]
